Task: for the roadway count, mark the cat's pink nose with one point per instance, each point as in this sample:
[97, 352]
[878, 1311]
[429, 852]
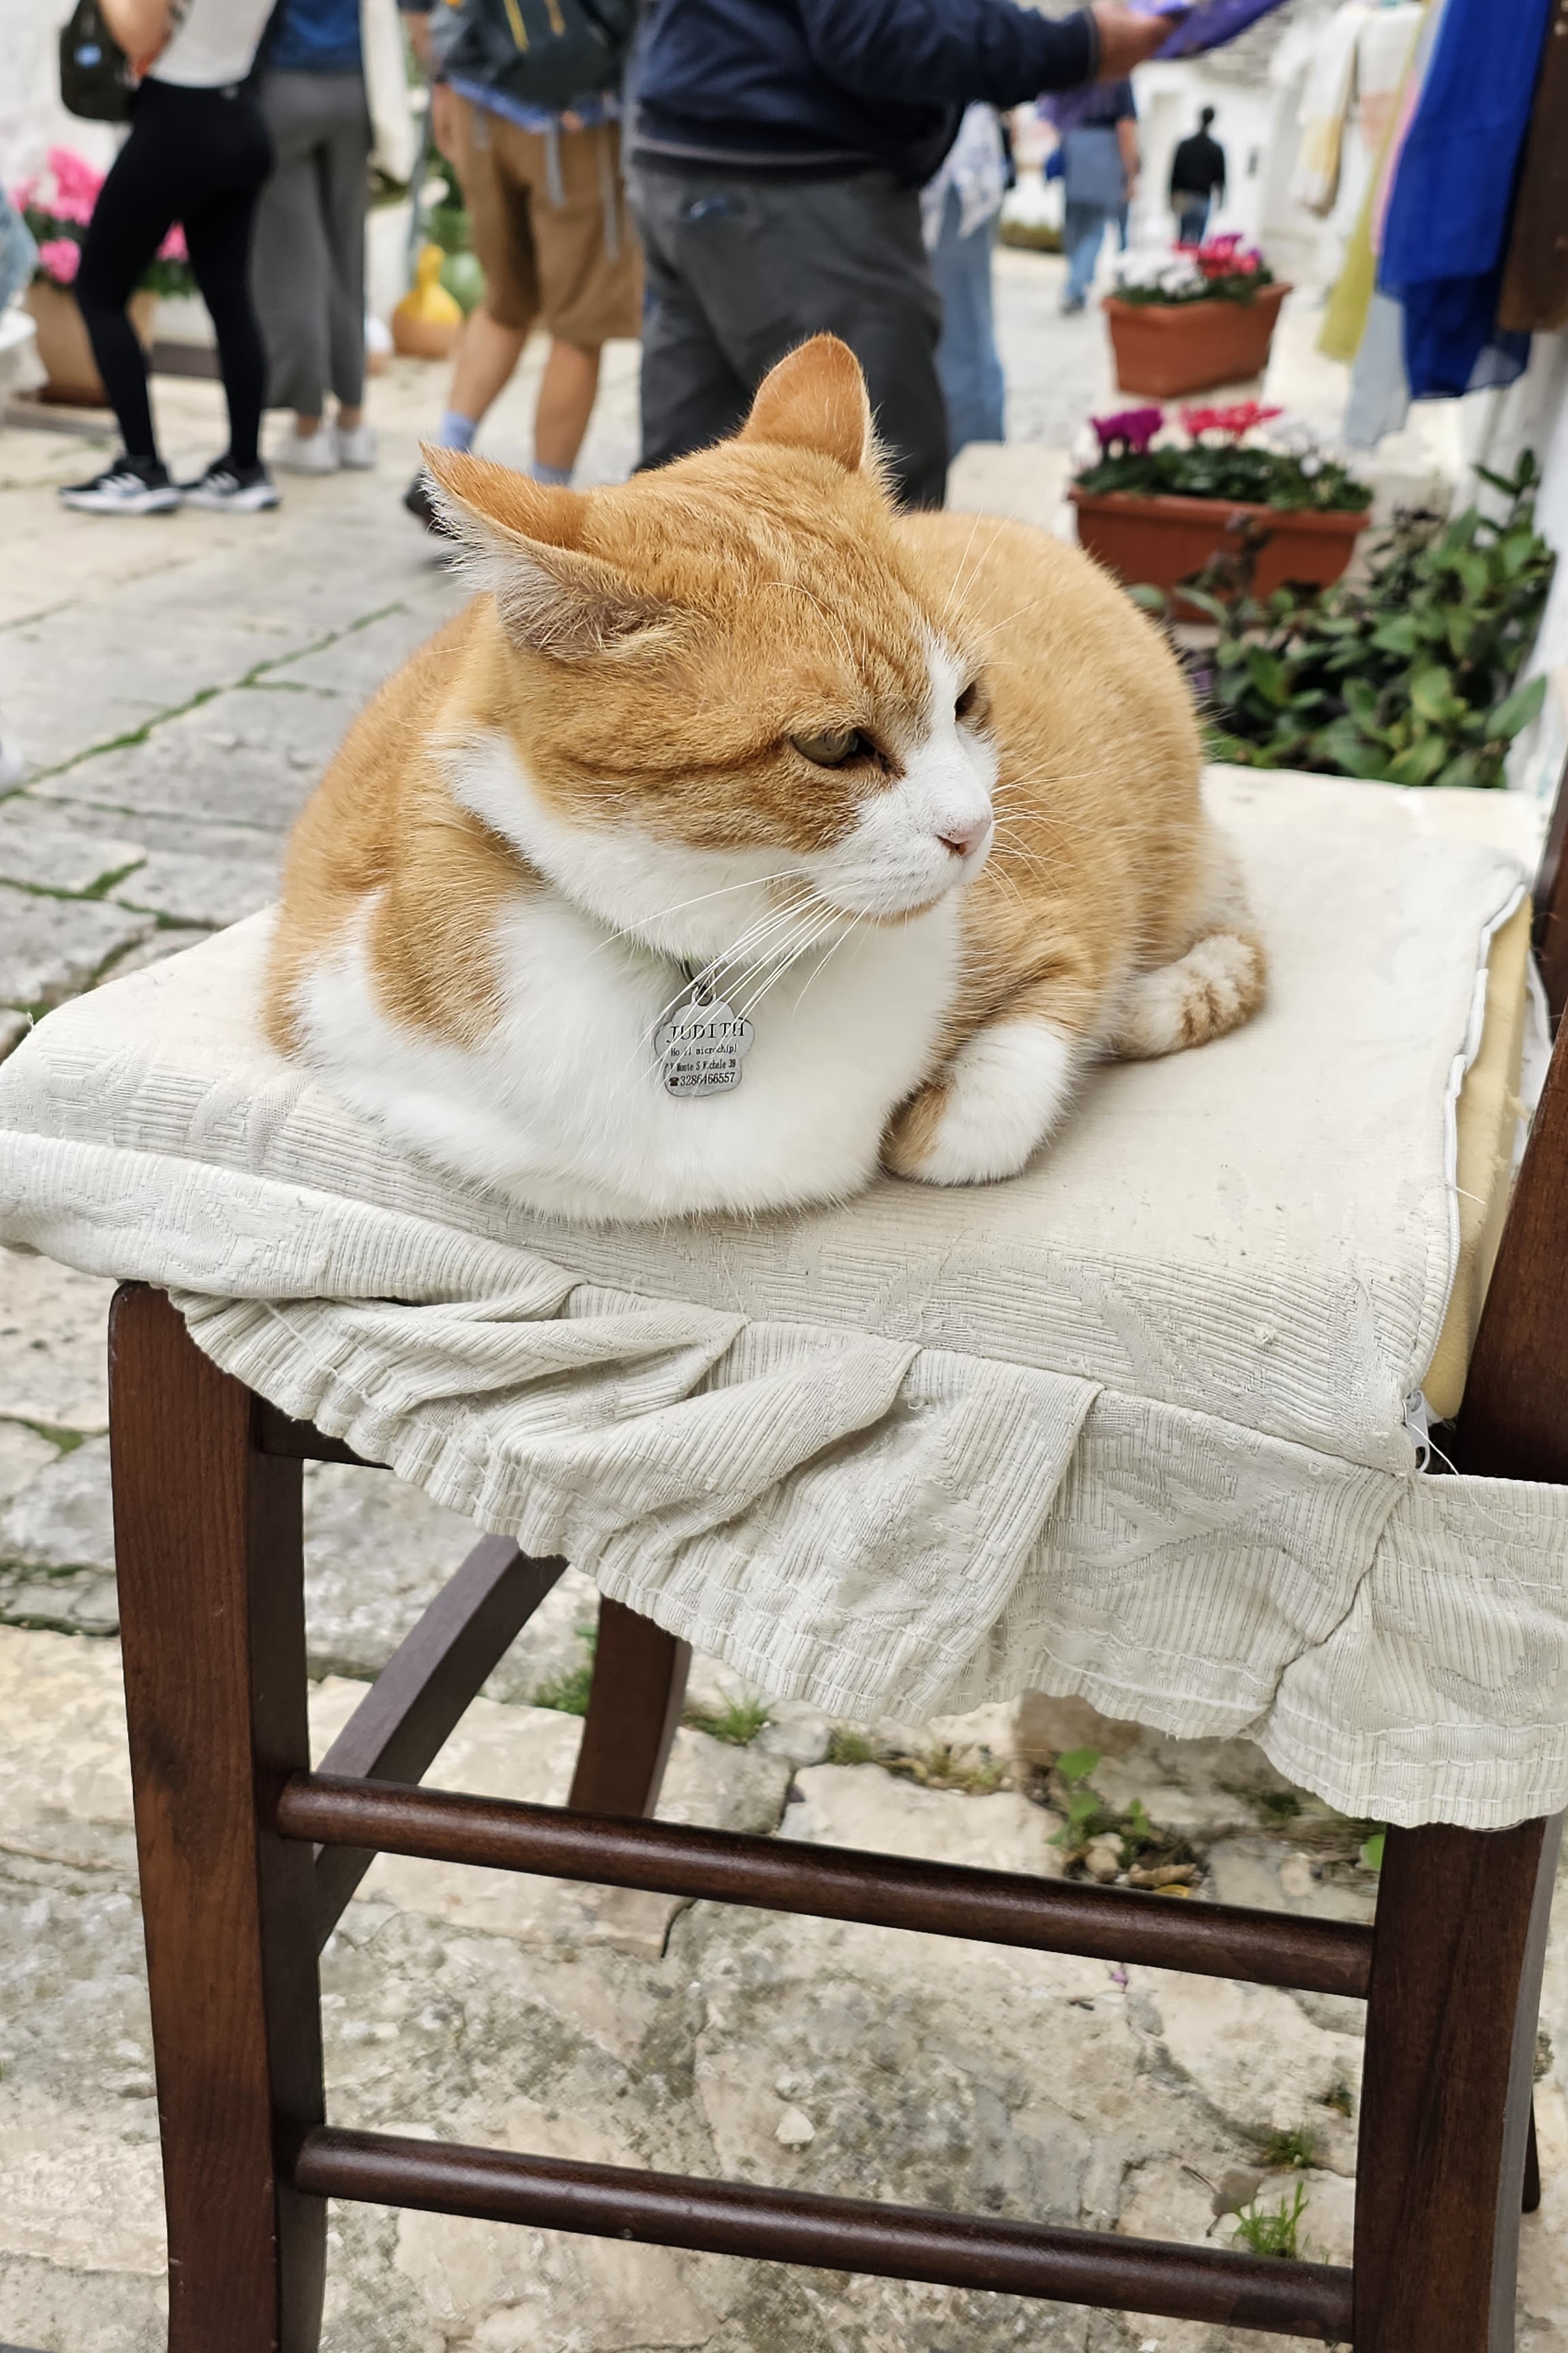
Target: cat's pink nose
[962, 839]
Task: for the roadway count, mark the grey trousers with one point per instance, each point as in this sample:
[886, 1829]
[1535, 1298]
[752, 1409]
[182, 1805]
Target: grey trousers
[740, 269]
[307, 270]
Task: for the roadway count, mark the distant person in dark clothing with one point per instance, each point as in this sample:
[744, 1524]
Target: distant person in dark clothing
[777, 152]
[1198, 181]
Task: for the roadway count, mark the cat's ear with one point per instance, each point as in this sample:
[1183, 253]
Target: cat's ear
[522, 540]
[814, 399]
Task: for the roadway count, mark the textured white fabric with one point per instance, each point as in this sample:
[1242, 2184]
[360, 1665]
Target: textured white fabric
[1132, 1425]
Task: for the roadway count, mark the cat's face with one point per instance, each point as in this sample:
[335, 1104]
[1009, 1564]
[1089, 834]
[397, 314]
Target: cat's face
[722, 675]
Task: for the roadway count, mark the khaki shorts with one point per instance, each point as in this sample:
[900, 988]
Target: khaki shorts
[555, 245]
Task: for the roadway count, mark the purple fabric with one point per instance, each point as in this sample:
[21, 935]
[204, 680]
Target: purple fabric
[1208, 26]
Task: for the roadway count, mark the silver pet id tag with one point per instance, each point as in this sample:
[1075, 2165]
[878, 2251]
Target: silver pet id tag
[701, 1047]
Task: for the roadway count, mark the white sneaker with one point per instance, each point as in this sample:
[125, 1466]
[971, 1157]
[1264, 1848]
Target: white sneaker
[136, 486]
[309, 453]
[356, 446]
[229, 489]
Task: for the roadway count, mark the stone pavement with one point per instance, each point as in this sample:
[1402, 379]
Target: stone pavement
[176, 685]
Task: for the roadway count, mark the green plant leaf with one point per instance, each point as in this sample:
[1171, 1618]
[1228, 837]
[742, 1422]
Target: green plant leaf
[1431, 693]
[1516, 710]
[1419, 763]
[1077, 1764]
[1371, 1851]
[1396, 637]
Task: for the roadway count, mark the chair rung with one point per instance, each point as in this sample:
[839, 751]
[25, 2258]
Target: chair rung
[730, 2218]
[994, 1907]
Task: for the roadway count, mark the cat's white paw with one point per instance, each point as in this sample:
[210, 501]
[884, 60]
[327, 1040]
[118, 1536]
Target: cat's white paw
[1219, 983]
[997, 1100]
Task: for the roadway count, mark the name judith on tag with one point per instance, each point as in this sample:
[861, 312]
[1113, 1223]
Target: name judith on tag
[701, 1047]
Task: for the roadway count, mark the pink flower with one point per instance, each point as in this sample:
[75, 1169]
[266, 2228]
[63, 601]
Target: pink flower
[174, 247]
[76, 185]
[25, 193]
[1133, 428]
[61, 258]
[1236, 421]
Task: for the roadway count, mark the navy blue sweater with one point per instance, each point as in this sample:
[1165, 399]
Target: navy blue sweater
[833, 86]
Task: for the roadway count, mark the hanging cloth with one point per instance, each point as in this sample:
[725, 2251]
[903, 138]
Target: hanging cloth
[1535, 275]
[1325, 102]
[1388, 71]
[1448, 222]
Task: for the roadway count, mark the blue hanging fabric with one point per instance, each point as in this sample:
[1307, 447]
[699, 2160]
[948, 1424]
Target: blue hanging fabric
[1445, 236]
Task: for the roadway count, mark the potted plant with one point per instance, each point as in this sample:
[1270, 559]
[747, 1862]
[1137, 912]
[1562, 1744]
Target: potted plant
[1155, 510]
[1409, 675]
[1197, 316]
[57, 206]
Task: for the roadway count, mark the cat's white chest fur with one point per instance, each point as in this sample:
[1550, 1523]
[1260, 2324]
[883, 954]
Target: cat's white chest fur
[563, 1104]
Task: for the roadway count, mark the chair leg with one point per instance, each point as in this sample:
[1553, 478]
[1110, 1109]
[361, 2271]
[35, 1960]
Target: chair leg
[210, 1558]
[1445, 2099]
[633, 1707]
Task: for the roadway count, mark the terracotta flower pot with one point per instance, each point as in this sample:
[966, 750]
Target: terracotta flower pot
[1157, 541]
[1167, 349]
[63, 345]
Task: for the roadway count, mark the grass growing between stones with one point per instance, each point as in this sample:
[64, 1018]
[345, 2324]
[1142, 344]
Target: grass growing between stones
[1273, 2233]
[847, 1748]
[737, 1724]
[567, 1693]
[1298, 2148]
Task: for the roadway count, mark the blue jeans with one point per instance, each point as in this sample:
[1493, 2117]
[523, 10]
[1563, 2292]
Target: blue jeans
[1083, 232]
[1192, 219]
[973, 385]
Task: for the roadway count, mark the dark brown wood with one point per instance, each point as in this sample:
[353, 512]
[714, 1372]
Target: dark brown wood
[301, 1441]
[1551, 927]
[425, 1687]
[1533, 297]
[1000, 1907]
[1513, 1423]
[634, 1708]
[1451, 2050]
[790, 2226]
[1530, 2200]
[210, 1560]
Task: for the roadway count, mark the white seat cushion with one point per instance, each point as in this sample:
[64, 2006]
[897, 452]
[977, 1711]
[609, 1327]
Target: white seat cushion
[1134, 1424]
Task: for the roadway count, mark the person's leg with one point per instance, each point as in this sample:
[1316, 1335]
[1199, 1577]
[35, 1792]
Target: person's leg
[136, 209]
[1191, 222]
[971, 381]
[218, 236]
[1082, 233]
[345, 160]
[566, 394]
[767, 264]
[496, 332]
[691, 394]
[588, 271]
[289, 266]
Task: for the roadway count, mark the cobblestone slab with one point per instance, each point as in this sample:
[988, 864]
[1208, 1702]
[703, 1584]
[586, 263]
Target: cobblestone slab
[54, 948]
[42, 845]
[53, 1344]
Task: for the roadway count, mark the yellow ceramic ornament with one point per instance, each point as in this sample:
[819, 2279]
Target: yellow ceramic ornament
[428, 322]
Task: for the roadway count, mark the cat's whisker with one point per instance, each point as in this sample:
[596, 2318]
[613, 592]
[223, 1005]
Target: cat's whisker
[827, 959]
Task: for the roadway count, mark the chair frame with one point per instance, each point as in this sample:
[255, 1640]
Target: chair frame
[248, 1859]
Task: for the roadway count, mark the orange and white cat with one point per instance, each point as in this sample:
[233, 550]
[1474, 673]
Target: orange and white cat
[915, 796]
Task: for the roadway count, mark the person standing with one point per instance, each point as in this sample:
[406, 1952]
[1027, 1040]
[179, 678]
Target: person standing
[1100, 180]
[307, 265]
[198, 154]
[1198, 181]
[776, 156]
[549, 224]
[960, 209]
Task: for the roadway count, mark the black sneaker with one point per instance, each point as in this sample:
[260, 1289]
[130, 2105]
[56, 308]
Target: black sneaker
[136, 486]
[417, 498]
[229, 489]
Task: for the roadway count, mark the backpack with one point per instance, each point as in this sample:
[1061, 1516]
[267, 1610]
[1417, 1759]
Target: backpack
[95, 73]
[544, 53]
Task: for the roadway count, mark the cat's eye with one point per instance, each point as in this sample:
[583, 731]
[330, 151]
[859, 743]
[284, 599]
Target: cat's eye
[972, 703]
[832, 748]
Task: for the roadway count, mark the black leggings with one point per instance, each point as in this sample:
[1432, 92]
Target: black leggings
[200, 157]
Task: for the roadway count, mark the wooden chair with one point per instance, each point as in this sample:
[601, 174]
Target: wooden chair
[247, 1858]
